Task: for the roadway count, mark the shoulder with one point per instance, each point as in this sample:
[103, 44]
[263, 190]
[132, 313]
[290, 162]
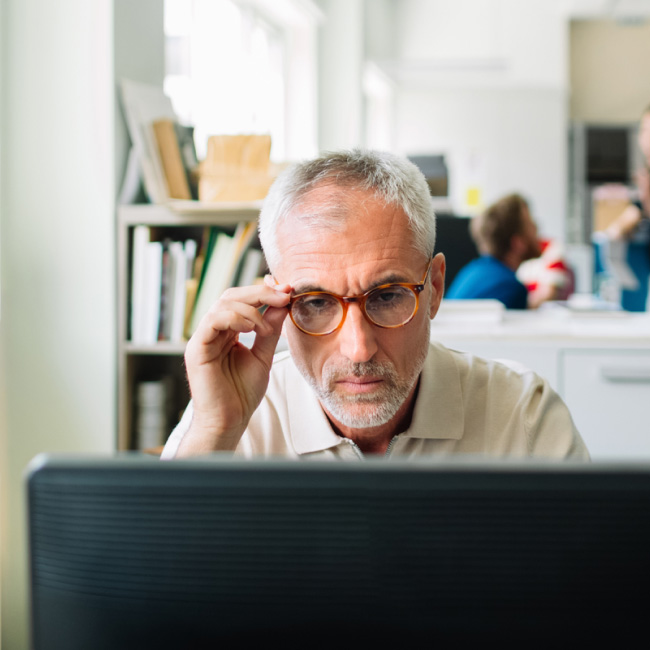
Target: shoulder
[509, 406]
[471, 368]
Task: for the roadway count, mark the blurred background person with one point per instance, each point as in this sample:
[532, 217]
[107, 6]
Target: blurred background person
[506, 236]
[627, 238]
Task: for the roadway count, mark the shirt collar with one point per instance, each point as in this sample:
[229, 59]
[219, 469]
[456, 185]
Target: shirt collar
[438, 412]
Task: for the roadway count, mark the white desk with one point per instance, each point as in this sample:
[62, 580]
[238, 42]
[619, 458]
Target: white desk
[599, 364]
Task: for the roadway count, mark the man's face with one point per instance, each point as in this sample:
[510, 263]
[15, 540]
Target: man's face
[362, 374]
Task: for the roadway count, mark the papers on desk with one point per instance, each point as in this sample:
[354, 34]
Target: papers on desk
[614, 260]
[469, 312]
[587, 305]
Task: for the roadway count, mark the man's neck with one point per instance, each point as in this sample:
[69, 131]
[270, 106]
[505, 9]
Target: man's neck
[375, 440]
[511, 260]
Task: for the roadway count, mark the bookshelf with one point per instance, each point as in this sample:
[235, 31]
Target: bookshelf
[150, 363]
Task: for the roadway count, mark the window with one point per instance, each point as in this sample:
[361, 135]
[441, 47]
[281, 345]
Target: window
[229, 69]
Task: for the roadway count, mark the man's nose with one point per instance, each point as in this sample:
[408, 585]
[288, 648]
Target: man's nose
[356, 336]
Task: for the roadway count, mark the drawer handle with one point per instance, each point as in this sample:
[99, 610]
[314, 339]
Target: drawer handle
[626, 375]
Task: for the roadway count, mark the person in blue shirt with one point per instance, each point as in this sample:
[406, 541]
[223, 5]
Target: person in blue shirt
[632, 226]
[506, 236]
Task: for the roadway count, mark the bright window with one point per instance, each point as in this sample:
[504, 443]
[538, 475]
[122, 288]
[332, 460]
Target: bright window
[228, 69]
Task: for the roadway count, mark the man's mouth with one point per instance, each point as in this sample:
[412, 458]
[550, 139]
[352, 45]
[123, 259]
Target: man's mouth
[359, 385]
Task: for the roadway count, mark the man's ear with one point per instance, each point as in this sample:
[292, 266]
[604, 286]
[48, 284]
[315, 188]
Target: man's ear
[517, 245]
[437, 276]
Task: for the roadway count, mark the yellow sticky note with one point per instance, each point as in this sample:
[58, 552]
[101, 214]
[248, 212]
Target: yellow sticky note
[473, 196]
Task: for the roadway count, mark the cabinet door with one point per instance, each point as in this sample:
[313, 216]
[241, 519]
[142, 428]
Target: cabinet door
[539, 356]
[608, 393]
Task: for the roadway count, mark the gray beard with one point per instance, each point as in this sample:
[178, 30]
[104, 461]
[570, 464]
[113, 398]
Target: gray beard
[365, 410]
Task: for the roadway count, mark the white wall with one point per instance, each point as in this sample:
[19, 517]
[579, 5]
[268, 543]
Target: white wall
[341, 56]
[57, 221]
[485, 82]
[609, 71]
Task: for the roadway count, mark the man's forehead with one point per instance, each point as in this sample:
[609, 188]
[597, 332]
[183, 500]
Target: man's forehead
[328, 200]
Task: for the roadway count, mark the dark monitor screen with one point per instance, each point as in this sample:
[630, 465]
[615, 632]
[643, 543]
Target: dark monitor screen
[453, 238]
[607, 155]
[137, 553]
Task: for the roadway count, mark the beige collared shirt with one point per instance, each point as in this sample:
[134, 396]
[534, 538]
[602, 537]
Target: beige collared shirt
[465, 405]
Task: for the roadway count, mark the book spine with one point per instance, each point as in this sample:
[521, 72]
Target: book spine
[141, 237]
[151, 301]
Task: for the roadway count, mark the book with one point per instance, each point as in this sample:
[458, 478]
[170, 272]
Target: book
[244, 236]
[166, 288]
[152, 412]
[132, 188]
[194, 277]
[190, 250]
[216, 274]
[177, 297]
[171, 159]
[251, 267]
[143, 104]
[152, 293]
[185, 137]
[141, 237]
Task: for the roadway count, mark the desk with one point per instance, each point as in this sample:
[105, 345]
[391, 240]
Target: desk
[599, 364]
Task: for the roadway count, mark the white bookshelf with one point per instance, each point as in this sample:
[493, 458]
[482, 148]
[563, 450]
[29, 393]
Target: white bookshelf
[138, 362]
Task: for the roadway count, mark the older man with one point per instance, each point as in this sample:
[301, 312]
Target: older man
[349, 240]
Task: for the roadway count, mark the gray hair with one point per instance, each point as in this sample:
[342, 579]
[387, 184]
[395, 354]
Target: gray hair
[393, 179]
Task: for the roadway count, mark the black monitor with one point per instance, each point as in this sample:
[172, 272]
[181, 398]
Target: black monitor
[138, 553]
[453, 238]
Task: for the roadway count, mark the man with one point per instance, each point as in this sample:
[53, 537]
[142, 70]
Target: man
[506, 236]
[628, 236]
[349, 239]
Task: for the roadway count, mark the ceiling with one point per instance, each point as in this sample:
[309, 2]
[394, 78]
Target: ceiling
[624, 10]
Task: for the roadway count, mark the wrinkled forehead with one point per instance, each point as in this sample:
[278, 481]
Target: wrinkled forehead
[350, 212]
[343, 229]
[334, 205]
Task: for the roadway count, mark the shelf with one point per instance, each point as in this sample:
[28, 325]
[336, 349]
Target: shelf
[168, 348]
[163, 360]
[161, 348]
[181, 213]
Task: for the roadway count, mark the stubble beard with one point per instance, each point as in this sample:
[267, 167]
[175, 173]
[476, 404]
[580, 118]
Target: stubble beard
[365, 410]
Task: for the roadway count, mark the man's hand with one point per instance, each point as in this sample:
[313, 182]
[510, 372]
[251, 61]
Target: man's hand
[228, 380]
[623, 226]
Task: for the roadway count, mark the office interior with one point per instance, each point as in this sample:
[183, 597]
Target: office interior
[496, 86]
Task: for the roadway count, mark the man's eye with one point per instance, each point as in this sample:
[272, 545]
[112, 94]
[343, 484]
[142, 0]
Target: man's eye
[315, 304]
[389, 297]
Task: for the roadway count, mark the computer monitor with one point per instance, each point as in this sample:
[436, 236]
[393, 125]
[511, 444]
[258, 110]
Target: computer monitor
[453, 238]
[137, 553]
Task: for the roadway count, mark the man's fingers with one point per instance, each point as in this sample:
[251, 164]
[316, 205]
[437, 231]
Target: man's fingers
[238, 310]
[258, 295]
[265, 344]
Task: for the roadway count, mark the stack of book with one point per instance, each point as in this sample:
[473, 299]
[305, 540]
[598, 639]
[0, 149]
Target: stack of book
[152, 419]
[163, 157]
[173, 284]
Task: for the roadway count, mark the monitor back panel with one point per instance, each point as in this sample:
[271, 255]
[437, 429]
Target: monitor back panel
[126, 556]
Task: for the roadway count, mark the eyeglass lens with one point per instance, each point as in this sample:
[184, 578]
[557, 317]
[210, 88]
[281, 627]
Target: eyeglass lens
[390, 306]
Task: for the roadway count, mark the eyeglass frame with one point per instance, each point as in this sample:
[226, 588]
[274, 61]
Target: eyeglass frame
[344, 301]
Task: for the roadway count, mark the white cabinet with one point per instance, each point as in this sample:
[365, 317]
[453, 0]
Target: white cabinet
[608, 393]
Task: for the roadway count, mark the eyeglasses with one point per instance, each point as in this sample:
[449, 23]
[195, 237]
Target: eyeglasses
[319, 313]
